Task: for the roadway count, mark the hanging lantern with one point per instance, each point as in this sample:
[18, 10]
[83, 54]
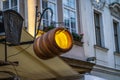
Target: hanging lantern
[53, 43]
[13, 22]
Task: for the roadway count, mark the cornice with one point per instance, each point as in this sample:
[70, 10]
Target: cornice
[79, 65]
[106, 70]
[115, 9]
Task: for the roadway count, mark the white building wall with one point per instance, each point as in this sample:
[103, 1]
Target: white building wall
[108, 36]
[106, 76]
[87, 27]
[104, 57]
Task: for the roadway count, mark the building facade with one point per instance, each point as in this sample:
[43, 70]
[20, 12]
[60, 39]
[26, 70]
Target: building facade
[98, 20]
[100, 24]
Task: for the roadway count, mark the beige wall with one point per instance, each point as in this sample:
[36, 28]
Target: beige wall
[60, 11]
[31, 16]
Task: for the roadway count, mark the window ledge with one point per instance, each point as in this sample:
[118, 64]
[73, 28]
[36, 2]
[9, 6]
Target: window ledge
[117, 53]
[101, 48]
[78, 43]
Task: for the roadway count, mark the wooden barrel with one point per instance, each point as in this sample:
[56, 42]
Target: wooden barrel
[53, 43]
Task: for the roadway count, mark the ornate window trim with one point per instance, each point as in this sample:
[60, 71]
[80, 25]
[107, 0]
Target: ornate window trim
[115, 9]
[98, 4]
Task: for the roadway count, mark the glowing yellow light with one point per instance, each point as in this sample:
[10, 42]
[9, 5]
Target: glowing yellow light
[40, 32]
[63, 39]
[53, 43]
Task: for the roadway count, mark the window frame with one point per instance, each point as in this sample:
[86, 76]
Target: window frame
[112, 1]
[1, 5]
[101, 33]
[117, 49]
[56, 15]
[72, 10]
[18, 9]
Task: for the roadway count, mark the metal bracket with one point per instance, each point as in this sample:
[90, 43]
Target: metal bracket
[3, 63]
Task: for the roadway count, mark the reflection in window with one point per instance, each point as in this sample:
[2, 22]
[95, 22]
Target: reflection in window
[115, 25]
[14, 4]
[70, 15]
[98, 29]
[97, 1]
[112, 1]
[10, 4]
[5, 4]
[69, 3]
[47, 16]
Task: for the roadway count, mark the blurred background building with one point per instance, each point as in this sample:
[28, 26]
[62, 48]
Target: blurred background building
[98, 21]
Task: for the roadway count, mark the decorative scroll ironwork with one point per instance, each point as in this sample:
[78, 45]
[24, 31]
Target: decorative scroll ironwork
[39, 17]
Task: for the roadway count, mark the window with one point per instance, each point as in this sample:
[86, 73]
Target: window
[47, 16]
[10, 4]
[98, 29]
[1, 24]
[112, 1]
[97, 0]
[115, 25]
[70, 15]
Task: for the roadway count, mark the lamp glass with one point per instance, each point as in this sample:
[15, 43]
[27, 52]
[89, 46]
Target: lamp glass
[63, 39]
[40, 33]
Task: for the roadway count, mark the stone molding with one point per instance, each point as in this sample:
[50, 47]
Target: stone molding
[115, 9]
[107, 70]
[98, 5]
[80, 66]
[101, 48]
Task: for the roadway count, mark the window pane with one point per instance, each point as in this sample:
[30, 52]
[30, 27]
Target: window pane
[47, 16]
[97, 21]
[69, 3]
[98, 37]
[69, 15]
[73, 21]
[52, 6]
[97, 29]
[45, 23]
[44, 4]
[66, 13]
[52, 0]
[70, 20]
[14, 8]
[10, 5]
[13, 3]
[66, 2]
[116, 36]
[66, 19]
[67, 23]
[5, 4]
[72, 3]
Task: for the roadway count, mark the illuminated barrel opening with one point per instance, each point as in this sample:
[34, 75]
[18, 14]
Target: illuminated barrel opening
[63, 39]
[53, 43]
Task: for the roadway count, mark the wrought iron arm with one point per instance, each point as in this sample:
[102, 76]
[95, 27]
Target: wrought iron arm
[41, 16]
